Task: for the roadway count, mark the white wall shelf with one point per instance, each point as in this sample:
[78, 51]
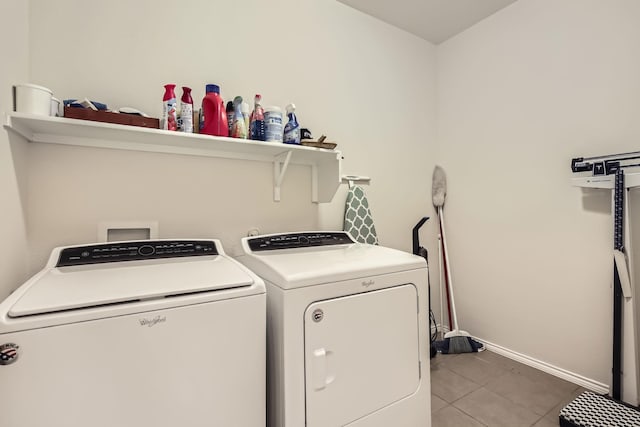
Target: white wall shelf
[325, 164]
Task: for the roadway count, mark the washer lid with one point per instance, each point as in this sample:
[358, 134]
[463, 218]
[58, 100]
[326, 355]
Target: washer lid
[77, 287]
[294, 268]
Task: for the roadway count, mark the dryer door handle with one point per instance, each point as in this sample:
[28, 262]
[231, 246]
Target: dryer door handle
[320, 369]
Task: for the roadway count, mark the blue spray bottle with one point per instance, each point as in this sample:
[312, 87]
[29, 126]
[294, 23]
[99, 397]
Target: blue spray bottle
[292, 129]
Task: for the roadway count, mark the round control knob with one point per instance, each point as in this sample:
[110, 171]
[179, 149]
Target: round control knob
[146, 250]
[303, 239]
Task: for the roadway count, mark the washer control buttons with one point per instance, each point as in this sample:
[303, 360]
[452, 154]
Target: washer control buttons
[146, 250]
[135, 250]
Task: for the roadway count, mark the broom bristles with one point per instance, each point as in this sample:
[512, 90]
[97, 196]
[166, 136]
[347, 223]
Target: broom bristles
[460, 345]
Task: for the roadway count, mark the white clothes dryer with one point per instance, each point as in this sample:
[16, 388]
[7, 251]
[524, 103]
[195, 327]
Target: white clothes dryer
[347, 331]
[158, 333]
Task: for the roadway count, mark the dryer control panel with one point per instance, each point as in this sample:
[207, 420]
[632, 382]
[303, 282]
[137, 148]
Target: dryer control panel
[134, 251]
[299, 240]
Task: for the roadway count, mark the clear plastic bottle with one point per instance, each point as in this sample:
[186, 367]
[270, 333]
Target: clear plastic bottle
[246, 115]
[239, 129]
[256, 126]
[292, 128]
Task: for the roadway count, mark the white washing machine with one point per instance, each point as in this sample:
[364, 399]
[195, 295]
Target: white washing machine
[154, 333]
[347, 331]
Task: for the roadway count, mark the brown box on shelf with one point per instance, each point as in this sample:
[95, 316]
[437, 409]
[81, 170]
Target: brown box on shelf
[109, 117]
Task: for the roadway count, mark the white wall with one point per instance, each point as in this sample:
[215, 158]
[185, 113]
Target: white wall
[365, 84]
[519, 95]
[14, 69]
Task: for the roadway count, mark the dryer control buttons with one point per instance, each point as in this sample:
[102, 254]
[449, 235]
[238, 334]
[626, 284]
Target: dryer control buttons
[8, 353]
[317, 315]
[298, 240]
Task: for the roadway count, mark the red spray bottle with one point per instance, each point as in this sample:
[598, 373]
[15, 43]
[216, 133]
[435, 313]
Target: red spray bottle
[186, 110]
[169, 119]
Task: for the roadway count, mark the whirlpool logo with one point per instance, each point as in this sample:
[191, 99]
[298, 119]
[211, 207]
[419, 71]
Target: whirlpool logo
[152, 322]
[368, 283]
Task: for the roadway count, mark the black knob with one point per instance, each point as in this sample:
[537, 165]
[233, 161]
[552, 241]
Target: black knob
[146, 250]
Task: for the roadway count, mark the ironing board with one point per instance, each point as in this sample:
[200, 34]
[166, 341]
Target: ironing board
[357, 216]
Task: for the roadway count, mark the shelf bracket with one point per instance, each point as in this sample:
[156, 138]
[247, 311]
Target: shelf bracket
[314, 183]
[279, 171]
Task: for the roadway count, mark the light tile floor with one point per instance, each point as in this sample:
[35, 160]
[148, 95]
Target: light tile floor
[488, 390]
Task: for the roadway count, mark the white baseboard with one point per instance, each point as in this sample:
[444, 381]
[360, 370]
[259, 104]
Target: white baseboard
[574, 378]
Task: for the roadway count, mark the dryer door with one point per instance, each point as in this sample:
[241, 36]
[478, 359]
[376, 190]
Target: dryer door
[361, 354]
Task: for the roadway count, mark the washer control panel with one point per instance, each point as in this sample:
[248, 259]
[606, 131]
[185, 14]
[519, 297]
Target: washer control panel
[298, 240]
[133, 251]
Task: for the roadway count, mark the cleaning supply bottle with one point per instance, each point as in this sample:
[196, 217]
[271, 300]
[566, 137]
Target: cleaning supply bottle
[256, 125]
[273, 123]
[169, 120]
[246, 116]
[214, 121]
[292, 129]
[239, 129]
[230, 114]
[186, 110]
